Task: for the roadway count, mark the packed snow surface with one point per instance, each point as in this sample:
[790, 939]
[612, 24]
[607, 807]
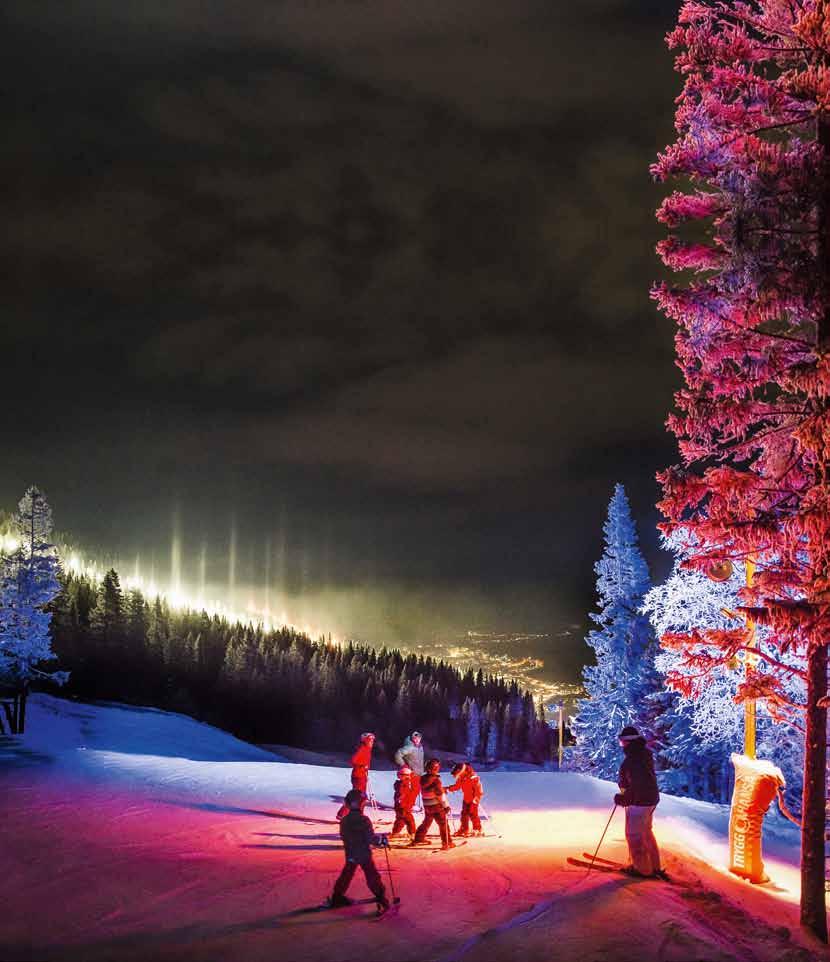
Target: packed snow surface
[133, 833]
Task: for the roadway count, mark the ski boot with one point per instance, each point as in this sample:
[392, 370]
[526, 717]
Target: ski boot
[340, 901]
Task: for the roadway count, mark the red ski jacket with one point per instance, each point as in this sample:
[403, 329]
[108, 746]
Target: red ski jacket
[470, 785]
[362, 757]
[406, 791]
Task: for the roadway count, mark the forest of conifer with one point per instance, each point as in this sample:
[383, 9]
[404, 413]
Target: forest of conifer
[281, 686]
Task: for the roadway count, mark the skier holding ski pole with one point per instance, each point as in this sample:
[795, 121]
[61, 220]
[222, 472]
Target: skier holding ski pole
[435, 806]
[407, 788]
[469, 784]
[358, 836]
[639, 796]
[361, 761]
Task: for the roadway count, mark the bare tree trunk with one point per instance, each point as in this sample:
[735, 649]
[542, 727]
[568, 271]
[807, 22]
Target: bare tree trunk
[813, 911]
[813, 908]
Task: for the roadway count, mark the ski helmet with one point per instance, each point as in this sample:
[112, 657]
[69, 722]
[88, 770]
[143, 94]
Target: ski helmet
[457, 769]
[433, 765]
[416, 735]
[366, 736]
[354, 798]
[628, 734]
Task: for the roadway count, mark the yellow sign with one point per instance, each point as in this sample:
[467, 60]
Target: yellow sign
[756, 785]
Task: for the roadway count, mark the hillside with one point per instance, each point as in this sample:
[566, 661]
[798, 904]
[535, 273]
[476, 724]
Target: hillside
[132, 833]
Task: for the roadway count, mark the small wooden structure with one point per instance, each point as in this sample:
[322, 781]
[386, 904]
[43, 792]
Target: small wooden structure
[13, 705]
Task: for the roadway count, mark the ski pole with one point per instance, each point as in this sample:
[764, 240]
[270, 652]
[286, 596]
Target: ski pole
[601, 840]
[372, 800]
[395, 899]
[489, 818]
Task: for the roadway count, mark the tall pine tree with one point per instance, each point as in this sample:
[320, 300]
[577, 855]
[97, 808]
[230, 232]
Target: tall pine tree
[28, 583]
[619, 684]
[753, 342]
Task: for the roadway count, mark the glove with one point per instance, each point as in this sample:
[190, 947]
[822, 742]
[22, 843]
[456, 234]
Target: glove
[619, 799]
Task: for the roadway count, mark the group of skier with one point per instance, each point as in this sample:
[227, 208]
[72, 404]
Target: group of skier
[415, 778]
[638, 795]
[419, 779]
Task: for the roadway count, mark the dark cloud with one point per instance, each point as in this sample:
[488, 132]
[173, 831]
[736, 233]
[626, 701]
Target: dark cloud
[382, 264]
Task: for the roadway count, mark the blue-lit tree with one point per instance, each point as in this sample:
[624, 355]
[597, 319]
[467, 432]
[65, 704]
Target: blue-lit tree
[621, 682]
[28, 582]
[705, 726]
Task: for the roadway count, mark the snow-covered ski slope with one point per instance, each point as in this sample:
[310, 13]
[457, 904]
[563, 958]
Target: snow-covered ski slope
[137, 834]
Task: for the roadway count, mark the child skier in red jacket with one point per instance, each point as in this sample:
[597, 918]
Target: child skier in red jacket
[407, 789]
[361, 762]
[468, 782]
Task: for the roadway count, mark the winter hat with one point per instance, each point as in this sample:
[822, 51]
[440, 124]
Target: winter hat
[404, 770]
[629, 733]
[416, 735]
[366, 736]
[458, 768]
[354, 798]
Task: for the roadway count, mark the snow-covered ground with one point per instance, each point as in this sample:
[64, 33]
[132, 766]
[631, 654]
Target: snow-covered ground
[137, 834]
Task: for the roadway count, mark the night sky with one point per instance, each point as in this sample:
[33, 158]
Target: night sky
[367, 279]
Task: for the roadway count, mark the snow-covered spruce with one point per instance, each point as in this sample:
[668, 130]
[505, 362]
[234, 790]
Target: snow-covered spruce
[619, 686]
[28, 582]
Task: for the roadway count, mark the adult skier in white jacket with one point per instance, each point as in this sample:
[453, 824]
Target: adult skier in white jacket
[411, 753]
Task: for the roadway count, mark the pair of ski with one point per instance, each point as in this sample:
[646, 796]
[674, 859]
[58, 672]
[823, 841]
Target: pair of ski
[599, 864]
[596, 862]
[429, 847]
[328, 907]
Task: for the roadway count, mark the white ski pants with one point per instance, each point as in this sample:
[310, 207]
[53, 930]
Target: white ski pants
[642, 845]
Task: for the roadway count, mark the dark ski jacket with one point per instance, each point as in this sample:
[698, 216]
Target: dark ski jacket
[358, 837]
[406, 791]
[432, 792]
[637, 781]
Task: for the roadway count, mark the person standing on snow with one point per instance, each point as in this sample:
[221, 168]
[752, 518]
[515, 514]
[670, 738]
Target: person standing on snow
[411, 754]
[358, 837]
[436, 806]
[361, 762]
[407, 789]
[468, 782]
[639, 796]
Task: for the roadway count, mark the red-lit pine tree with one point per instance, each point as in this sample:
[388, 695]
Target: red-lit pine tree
[753, 343]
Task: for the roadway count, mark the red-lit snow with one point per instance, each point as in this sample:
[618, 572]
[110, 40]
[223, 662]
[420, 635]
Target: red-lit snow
[137, 834]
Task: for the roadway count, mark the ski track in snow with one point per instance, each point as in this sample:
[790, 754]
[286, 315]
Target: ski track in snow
[135, 834]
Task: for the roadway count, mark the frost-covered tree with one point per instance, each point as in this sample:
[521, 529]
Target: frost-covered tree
[752, 157]
[621, 682]
[704, 723]
[28, 583]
